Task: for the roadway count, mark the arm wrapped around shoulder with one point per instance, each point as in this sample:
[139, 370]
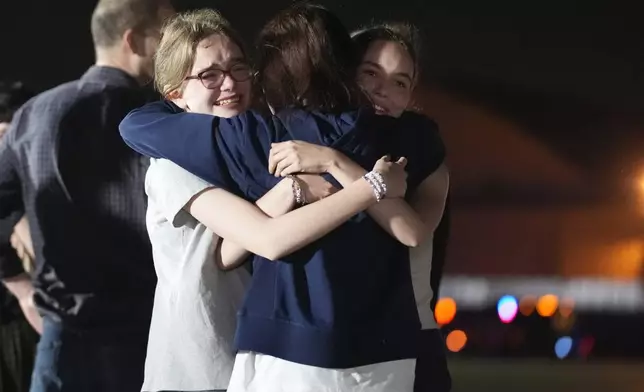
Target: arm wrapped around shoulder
[227, 153]
[418, 139]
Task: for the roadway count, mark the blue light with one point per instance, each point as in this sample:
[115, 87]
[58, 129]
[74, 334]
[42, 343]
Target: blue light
[507, 307]
[563, 347]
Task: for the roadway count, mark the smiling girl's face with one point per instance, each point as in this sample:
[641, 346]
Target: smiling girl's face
[386, 73]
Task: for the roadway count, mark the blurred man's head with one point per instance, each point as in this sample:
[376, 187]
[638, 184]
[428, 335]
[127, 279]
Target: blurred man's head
[12, 96]
[126, 34]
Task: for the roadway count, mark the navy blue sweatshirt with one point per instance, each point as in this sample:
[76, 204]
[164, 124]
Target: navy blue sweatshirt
[345, 300]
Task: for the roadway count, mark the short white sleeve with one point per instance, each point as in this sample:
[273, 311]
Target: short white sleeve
[171, 187]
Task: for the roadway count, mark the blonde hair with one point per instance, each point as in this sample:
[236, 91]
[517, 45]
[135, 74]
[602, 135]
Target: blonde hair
[180, 36]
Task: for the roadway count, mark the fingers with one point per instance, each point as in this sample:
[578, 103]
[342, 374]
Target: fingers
[386, 161]
[282, 146]
[285, 167]
[278, 146]
[280, 166]
[400, 161]
[272, 163]
[274, 158]
[290, 169]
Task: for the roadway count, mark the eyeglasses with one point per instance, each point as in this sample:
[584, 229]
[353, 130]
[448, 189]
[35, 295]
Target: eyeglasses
[213, 78]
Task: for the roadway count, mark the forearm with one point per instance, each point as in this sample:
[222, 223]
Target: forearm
[11, 210]
[22, 231]
[430, 197]
[158, 130]
[239, 221]
[395, 216]
[21, 242]
[276, 202]
[300, 227]
[22, 288]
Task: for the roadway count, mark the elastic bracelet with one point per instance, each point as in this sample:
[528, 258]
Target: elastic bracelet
[377, 183]
[300, 198]
[380, 182]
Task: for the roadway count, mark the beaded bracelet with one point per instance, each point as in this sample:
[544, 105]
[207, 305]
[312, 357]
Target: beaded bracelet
[300, 198]
[377, 183]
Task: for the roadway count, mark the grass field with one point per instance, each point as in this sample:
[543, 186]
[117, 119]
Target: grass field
[519, 375]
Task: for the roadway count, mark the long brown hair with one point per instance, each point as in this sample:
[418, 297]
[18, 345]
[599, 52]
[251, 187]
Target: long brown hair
[306, 59]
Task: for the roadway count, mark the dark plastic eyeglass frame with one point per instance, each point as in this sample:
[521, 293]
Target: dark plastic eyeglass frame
[224, 73]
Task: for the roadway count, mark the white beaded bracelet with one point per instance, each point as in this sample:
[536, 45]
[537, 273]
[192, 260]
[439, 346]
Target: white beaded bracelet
[377, 183]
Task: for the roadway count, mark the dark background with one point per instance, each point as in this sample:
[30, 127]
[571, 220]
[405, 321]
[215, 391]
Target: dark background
[571, 71]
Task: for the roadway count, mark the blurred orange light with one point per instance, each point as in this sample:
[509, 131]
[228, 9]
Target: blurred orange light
[456, 341]
[527, 305]
[639, 185]
[547, 305]
[445, 311]
[566, 307]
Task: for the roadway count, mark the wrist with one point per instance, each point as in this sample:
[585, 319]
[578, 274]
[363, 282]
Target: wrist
[297, 191]
[286, 190]
[279, 200]
[367, 190]
[377, 183]
[339, 165]
[334, 162]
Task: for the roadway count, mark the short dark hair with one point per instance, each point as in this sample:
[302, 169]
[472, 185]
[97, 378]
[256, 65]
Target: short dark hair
[12, 96]
[111, 18]
[306, 59]
[403, 33]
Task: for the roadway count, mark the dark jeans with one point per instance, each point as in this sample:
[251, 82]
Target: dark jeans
[68, 361]
[432, 374]
[17, 352]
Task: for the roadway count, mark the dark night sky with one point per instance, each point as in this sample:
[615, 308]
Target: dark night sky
[573, 75]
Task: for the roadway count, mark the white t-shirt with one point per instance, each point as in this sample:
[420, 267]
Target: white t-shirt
[256, 372]
[190, 345]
